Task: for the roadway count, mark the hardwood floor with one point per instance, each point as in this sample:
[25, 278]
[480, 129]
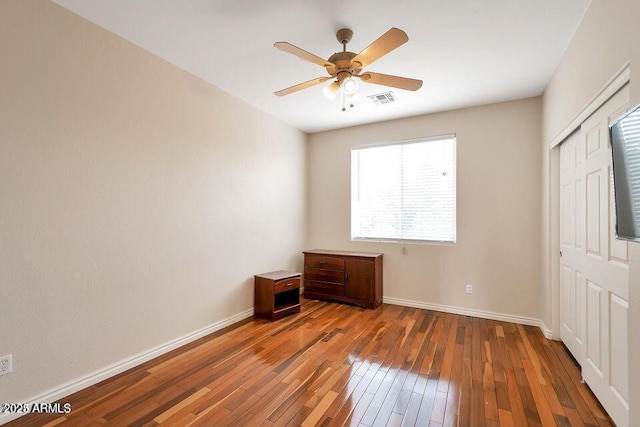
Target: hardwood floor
[335, 364]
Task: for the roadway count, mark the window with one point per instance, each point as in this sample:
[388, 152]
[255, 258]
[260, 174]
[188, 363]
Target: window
[404, 192]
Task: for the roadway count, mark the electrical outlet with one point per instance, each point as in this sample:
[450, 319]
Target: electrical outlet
[469, 289]
[5, 364]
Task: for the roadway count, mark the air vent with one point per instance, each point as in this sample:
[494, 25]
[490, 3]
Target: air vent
[383, 98]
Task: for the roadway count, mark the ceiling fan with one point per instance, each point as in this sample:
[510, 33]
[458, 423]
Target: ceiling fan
[343, 66]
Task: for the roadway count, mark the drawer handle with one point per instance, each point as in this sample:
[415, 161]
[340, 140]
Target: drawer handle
[288, 284]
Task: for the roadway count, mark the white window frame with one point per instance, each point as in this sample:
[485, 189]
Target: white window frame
[400, 240]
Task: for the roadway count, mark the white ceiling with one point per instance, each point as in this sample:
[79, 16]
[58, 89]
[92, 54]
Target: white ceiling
[468, 52]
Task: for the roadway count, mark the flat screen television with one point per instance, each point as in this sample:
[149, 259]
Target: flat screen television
[625, 147]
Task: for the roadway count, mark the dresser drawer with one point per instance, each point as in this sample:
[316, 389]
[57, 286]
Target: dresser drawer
[324, 262]
[324, 288]
[317, 274]
[286, 285]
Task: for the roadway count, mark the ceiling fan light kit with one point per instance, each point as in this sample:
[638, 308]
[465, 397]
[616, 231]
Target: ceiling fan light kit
[349, 86]
[344, 67]
[331, 91]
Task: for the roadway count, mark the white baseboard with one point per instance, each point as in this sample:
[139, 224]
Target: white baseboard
[548, 333]
[78, 384]
[466, 312]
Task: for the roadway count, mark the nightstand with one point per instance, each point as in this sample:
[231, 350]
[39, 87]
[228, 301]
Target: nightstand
[276, 294]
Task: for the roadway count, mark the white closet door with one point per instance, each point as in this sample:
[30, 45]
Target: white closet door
[594, 274]
[572, 301]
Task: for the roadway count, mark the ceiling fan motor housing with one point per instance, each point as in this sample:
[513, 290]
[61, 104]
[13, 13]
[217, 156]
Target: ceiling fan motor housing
[342, 61]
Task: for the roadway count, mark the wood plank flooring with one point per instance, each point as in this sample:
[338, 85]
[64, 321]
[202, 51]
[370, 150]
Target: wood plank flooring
[335, 364]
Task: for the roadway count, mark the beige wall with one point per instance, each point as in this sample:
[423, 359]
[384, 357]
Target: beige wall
[135, 197]
[136, 201]
[606, 39]
[498, 190]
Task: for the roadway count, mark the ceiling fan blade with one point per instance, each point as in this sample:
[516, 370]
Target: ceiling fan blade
[303, 54]
[379, 48]
[301, 86]
[393, 81]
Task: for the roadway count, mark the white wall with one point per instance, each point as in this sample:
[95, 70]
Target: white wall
[606, 39]
[498, 203]
[136, 201]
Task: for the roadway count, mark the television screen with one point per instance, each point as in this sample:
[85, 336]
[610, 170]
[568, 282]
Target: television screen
[625, 147]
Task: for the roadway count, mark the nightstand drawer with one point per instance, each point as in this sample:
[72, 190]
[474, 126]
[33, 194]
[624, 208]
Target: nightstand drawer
[324, 262]
[286, 285]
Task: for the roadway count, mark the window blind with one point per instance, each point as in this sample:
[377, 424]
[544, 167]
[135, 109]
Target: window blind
[404, 191]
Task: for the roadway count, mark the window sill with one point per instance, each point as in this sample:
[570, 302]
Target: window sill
[404, 242]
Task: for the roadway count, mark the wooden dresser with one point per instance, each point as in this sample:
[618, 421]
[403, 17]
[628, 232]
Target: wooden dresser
[351, 277]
